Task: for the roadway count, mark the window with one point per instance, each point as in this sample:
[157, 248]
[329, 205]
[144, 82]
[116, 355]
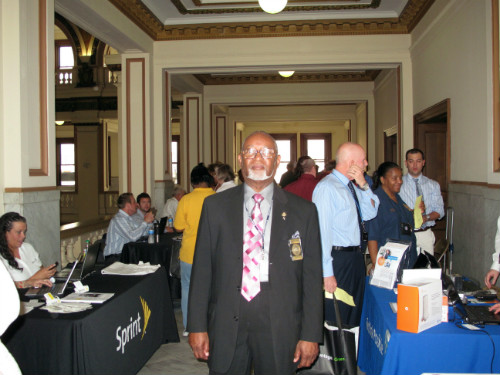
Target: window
[65, 61]
[287, 148]
[318, 147]
[176, 158]
[66, 166]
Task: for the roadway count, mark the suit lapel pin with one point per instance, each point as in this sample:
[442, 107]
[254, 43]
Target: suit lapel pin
[283, 215]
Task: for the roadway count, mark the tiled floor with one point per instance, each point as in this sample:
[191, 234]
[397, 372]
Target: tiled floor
[177, 358]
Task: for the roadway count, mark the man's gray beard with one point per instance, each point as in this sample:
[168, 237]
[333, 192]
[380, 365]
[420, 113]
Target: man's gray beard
[257, 176]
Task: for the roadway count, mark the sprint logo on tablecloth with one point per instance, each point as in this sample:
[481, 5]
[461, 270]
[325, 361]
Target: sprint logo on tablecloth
[133, 329]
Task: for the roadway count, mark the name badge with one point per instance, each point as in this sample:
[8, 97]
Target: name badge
[295, 247]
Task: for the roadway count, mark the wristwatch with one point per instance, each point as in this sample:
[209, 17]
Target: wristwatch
[427, 217]
[365, 187]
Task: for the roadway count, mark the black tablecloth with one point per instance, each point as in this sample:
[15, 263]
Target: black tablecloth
[91, 342]
[157, 253]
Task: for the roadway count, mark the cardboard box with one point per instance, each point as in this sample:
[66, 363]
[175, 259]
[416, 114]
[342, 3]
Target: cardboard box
[419, 305]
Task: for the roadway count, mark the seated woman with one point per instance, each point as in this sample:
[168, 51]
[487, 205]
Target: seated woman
[21, 259]
[394, 219]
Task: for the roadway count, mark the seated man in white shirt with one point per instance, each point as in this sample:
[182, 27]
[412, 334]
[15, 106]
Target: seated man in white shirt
[170, 207]
[123, 228]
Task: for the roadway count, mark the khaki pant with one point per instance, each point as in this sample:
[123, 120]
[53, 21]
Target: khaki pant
[426, 240]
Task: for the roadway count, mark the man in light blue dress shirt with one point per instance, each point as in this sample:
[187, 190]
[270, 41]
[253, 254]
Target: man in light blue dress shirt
[415, 184]
[124, 228]
[341, 220]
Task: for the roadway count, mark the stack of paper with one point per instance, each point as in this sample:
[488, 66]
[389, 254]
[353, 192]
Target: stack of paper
[119, 268]
[87, 297]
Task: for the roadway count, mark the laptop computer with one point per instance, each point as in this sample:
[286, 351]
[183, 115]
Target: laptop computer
[162, 225]
[472, 314]
[86, 268]
[57, 289]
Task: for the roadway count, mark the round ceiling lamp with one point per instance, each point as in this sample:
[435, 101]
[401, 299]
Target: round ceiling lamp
[272, 6]
[286, 73]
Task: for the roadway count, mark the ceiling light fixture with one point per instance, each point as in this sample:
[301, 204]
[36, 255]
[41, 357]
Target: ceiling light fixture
[272, 6]
[59, 123]
[286, 73]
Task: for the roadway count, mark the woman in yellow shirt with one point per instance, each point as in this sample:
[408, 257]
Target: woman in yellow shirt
[186, 220]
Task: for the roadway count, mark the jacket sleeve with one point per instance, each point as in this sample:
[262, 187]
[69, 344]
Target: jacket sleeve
[312, 291]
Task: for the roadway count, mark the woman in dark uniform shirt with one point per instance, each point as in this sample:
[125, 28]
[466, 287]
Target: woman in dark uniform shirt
[394, 219]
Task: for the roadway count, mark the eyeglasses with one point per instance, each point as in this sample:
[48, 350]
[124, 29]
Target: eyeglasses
[250, 153]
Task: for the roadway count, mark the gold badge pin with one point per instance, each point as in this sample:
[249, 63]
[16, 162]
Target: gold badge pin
[283, 215]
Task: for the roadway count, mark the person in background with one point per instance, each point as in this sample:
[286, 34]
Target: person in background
[329, 167]
[416, 184]
[20, 258]
[492, 276]
[212, 168]
[289, 176]
[344, 202]
[124, 228]
[255, 297]
[170, 207]
[306, 173]
[186, 220]
[8, 313]
[394, 218]
[224, 177]
[144, 206]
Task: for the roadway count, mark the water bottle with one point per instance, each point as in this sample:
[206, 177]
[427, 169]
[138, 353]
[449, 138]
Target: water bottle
[156, 227]
[170, 222]
[151, 237]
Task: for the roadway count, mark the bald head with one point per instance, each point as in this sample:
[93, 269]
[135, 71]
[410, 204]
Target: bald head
[349, 154]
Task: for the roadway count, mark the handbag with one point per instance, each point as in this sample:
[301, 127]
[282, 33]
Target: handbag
[337, 354]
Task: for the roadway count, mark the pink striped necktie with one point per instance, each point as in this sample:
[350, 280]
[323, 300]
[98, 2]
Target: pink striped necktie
[252, 247]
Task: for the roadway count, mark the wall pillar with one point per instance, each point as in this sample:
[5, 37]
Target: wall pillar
[135, 128]
[27, 127]
[191, 132]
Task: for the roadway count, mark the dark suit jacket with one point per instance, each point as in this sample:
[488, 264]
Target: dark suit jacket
[296, 300]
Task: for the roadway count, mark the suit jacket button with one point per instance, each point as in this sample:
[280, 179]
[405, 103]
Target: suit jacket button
[239, 288]
[235, 318]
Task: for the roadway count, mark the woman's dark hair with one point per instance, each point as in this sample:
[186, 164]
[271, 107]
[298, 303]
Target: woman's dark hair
[200, 174]
[382, 171]
[6, 223]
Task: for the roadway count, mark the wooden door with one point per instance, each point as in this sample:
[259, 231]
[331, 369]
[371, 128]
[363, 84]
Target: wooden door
[431, 136]
[391, 148]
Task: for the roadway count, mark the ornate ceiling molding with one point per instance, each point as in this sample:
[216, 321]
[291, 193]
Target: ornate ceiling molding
[146, 20]
[209, 79]
[253, 8]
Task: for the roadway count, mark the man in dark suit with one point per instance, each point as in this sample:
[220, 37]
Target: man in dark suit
[255, 299]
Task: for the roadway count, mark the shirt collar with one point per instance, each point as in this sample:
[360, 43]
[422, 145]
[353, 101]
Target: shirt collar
[267, 192]
[341, 177]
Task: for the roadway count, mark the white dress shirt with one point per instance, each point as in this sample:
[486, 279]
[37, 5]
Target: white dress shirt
[496, 255]
[431, 195]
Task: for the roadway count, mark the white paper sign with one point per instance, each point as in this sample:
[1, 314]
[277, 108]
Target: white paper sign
[387, 264]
